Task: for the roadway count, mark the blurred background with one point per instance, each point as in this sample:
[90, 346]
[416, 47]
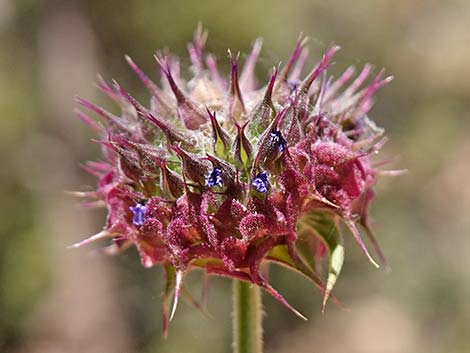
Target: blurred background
[55, 300]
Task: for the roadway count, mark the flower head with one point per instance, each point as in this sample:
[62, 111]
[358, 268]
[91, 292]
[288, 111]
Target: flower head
[222, 174]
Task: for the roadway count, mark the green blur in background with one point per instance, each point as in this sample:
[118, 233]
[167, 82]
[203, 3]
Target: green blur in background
[56, 300]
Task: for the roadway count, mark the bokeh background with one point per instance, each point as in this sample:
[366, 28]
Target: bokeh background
[56, 300]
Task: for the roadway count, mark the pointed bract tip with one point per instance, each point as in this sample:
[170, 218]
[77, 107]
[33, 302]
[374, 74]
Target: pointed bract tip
[258, 44]
[87, 120]
[281, 299]
[97, 236]
[129, 60]
[352, 227]
[178, 283]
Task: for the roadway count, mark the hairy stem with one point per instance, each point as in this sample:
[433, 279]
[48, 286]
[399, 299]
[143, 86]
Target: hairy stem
[247, 318]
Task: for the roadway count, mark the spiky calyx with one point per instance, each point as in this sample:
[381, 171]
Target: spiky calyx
[222, 175]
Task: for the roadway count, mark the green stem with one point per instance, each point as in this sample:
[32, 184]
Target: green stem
[247, 318]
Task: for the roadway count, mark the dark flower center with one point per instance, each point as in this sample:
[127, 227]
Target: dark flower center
[214, 178]
[261, 183]
[138, 211]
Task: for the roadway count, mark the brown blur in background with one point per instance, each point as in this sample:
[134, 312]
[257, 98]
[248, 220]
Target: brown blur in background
[57, 300]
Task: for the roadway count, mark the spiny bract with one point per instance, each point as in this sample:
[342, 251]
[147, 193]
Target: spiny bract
[223, 175]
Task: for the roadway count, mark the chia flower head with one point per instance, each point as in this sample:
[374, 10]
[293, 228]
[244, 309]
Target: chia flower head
[221, 174]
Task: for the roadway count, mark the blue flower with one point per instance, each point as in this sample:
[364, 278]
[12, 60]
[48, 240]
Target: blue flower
[276, 138]
[214, 178]
[139, 211]
[261, 182]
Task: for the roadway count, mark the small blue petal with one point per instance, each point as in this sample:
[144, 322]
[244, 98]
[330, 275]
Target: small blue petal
[214, 178]
[261, 183]
[139, 211]
[276, 138]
